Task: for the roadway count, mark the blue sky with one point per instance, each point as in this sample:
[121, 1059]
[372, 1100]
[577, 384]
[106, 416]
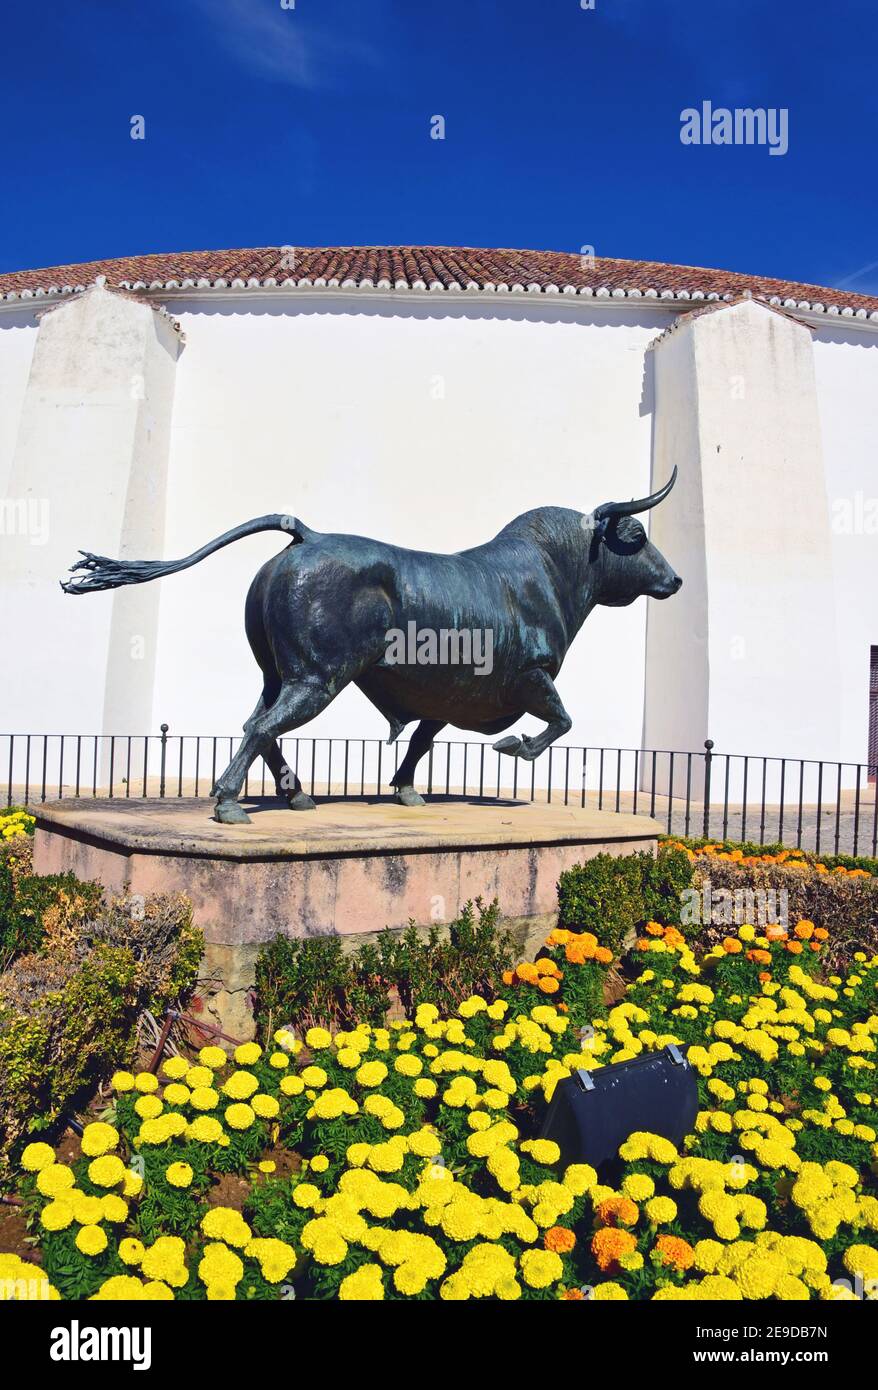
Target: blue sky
[311, 126]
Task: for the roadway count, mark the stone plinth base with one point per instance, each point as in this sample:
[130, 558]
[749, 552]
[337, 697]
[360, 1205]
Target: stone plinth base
[351, 867]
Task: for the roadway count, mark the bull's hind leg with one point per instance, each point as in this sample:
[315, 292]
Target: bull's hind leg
[539, 697]
[403, 780]
[294, 705]
[289, 788]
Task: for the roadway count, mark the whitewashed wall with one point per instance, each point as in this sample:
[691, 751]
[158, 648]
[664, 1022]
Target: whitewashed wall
[846, 363]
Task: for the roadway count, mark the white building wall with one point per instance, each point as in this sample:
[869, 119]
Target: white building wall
[749, 657]
[18, 334]
[846, 363]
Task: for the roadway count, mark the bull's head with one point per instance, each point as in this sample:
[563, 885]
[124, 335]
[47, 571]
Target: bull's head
[623, 561]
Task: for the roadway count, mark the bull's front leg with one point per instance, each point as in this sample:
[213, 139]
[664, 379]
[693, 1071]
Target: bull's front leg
[538, 697]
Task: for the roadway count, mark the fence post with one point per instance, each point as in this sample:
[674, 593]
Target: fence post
[163, 761]
[708, 759]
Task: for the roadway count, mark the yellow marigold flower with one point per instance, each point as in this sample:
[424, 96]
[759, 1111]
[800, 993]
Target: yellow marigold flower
[148, 1107]
[240, 1085]
[176, 1093]
[226, 1224]
[99, 1139]
[131, 1250]
[276, 1258]
[540, 1268]
[132, 1183]
[37, 1156]
[314, 1077]
[179, 1174]
[122, 1081]
[56, 1179]
[86, 1210]
[292, 1085]
[56, 1215]
[366, 1284]
[213, 1057]
[114, 1209]
[174, 1068]
[319, 1163]
[240, 1116]
[279, 1061]
[146, 1082]
[247, 1053]
[266, 1107]
[220, 1266]
[204, 1098]
[372, 1073]
[317, 1038]
[91, 1240]
[205, 1129]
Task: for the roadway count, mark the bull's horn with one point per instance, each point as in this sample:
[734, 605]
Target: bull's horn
[643, 504]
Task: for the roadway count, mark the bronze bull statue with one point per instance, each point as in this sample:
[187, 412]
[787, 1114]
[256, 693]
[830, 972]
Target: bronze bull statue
[331, 609]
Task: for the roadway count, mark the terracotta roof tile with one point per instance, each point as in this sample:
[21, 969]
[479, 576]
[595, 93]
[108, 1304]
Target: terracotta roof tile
[432, 264]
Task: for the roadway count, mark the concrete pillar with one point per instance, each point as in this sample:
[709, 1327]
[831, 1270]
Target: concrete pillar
[89, 472]
[746, 653]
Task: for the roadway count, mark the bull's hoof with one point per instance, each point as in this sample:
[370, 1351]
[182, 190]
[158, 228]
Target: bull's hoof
[516, 747]
[511, 745]
[230, 813]
[301, 802]
[407, 796]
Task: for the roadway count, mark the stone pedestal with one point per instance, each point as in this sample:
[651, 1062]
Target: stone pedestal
[351, 867]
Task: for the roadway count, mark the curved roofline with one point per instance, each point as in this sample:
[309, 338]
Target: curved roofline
[436, 269]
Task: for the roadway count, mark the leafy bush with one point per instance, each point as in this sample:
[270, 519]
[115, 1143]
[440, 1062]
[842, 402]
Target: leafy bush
[312, 981]
[69, 1009]
[847, 906]
[444, 970]
[612, 896]
[30, 903]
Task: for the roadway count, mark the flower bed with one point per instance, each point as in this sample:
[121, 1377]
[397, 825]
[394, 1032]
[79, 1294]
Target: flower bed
[416, 1167]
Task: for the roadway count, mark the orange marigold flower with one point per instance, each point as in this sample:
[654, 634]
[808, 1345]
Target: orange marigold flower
[603, 955]
[573, 1296]
[618, 1211]
[673, 937]
[674, 1251]
[731, 945]
[654, 928]
[560, 1239]
[609, 1245]
[804, 929]
[814, 945]
[508, 977]
[775, 932]
[526, 971]
[547, 985]
[641, 944]
[760, 956]
[794, 947]
[558, 937]
[545, 966]
[821, 934]
[764, 976]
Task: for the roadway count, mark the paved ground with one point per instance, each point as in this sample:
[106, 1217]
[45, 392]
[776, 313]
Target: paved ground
[856, 833]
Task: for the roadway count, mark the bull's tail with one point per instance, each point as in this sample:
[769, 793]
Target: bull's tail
[104, 573]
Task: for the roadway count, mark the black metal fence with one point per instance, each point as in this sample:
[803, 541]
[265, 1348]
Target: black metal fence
[828, 806]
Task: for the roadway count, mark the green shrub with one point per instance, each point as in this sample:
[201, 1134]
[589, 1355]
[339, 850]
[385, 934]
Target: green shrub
[847, 907]
[611, 896]
[29, 903]
[307, 982]
[444, 969]
[303, 982]
[69, 1010]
